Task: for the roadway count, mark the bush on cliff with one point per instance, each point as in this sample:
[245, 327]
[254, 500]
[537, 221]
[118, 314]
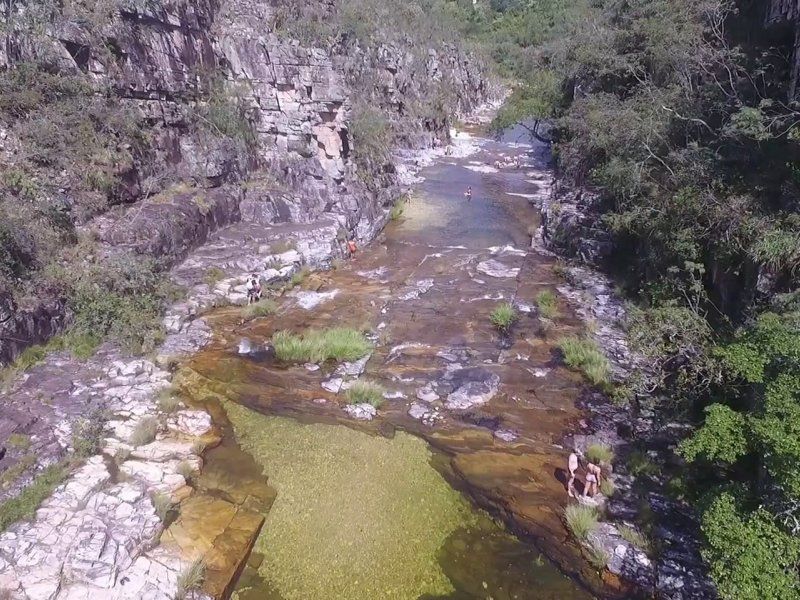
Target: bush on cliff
[120, 298]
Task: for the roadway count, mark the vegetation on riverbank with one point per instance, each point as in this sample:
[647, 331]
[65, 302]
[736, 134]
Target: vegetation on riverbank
[365, 392]
[24, 505]
[313, 345]
[583, 354]
[682, 118]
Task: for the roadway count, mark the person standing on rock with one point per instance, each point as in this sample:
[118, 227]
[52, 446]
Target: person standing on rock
[351, 248]
[593, 474]
[253, 289]
[572, 465]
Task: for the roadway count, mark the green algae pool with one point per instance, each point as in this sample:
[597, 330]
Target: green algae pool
[356, 517]
[361, 517]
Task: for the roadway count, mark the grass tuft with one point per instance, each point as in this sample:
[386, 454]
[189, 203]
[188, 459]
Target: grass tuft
[365, 392]
[185, 469]
[168, 402]
[503, 316]
[338, 343]
[163, 505]
[190, 579]
[635, 538]
[144, 432]
[547, 303]
[607, 487]
[599, 453]
[581, 520]
[598, 557]
[19, 440]
[121, 455]
[262, 308]
[397, 211]
[300, 276]
[584, 355]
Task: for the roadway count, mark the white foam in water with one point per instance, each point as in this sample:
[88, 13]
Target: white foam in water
[523, 195]
[245, 346]
[481, 168]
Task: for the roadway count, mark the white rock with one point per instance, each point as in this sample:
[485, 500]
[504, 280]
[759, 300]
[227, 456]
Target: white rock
[494, 268]
[333, 385]
[193, 422]
[362, 412]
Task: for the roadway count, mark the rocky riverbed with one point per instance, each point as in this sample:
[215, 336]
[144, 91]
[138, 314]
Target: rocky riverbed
[493, 408]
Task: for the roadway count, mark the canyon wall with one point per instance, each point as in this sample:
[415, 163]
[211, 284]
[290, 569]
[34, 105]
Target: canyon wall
[240, 122]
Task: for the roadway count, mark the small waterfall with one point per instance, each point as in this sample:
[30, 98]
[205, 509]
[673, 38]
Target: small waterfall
[245, 347]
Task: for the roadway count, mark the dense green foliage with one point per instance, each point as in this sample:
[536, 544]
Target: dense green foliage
[678, 115]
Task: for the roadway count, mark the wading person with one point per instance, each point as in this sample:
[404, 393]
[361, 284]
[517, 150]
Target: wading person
[468, 193]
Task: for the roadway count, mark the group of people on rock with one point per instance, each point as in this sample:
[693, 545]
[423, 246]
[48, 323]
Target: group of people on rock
[593, 475]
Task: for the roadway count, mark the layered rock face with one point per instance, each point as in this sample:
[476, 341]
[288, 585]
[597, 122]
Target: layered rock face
[787, 13]
[284, 155]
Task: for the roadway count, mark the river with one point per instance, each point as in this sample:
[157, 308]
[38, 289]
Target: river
[462, 498]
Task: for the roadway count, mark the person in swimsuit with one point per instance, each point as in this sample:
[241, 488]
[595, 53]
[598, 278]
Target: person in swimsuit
[351, 248]
[593, 474]
[468, 193]
[572, 465]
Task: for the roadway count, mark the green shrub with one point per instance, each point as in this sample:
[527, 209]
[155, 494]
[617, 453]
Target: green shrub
[144, 432]
[24, 505]
[338, 343]
[503, 316]
[365, 392]
[213, 275]
[584, 355]
[639, 464]
[191, 579]
[120, 298]
[547, 303]
[599, 453]
[581, 520]
[262, 308]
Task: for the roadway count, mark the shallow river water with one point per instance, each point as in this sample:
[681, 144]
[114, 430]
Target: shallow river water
[402, 507]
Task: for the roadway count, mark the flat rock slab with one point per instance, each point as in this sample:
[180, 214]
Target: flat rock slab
[474, 393]
[218, 532]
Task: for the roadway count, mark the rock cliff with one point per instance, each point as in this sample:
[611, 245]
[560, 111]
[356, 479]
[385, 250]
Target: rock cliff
[239, 121]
